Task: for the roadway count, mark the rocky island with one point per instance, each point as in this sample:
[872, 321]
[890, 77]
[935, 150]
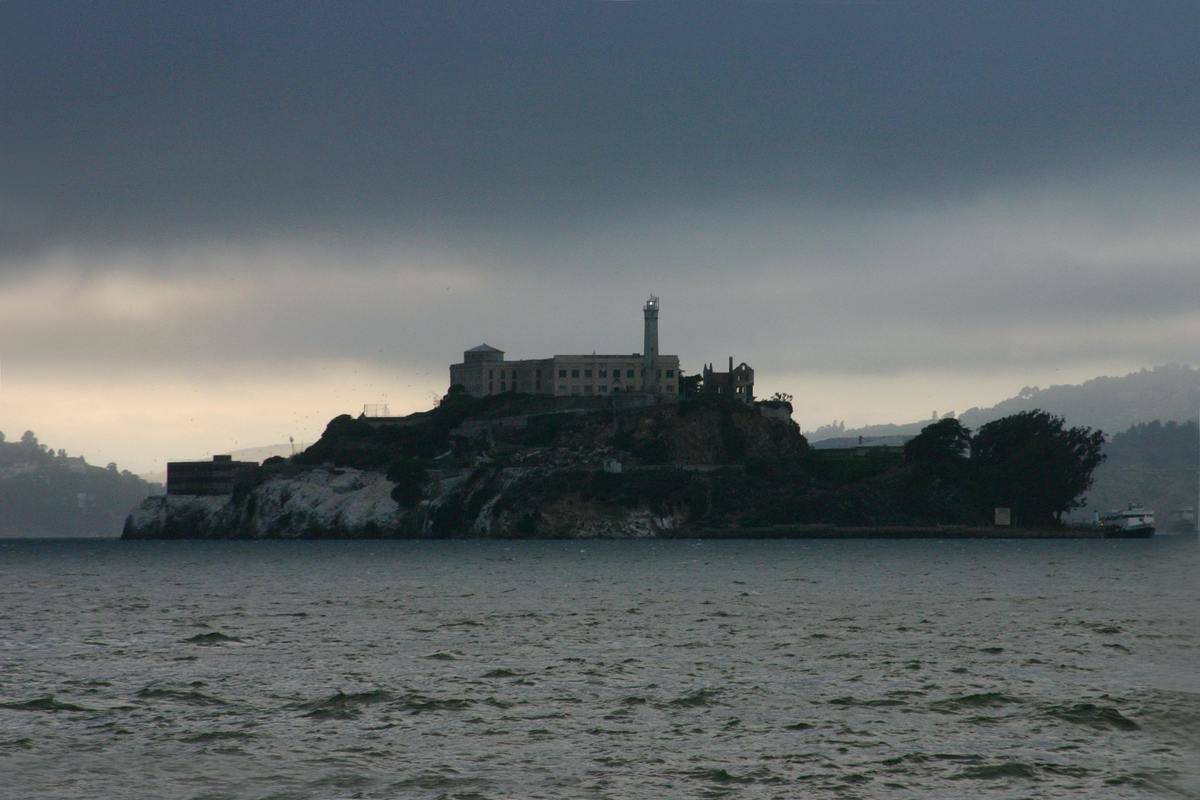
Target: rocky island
[518, 465]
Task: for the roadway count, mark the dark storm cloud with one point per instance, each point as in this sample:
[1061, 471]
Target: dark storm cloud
[503, 124]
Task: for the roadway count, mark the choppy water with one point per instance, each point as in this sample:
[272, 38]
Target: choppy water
[775, 669]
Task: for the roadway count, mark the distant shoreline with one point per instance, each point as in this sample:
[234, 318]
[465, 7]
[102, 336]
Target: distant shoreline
[892, 532]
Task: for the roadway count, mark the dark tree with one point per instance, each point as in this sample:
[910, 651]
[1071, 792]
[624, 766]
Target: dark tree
[409, 475]
[1034, 464]
[944, 444]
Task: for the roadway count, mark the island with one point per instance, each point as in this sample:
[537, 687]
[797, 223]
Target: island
[516, 465]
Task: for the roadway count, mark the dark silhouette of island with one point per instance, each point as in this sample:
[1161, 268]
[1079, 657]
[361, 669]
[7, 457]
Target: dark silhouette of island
[513, 465]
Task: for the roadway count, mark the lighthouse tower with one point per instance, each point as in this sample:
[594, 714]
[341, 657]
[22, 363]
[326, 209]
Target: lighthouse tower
[650, 349]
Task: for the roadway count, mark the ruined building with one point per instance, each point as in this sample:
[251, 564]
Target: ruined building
[737, 383]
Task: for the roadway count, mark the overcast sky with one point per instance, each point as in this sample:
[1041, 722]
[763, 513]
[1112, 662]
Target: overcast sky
[221, 223]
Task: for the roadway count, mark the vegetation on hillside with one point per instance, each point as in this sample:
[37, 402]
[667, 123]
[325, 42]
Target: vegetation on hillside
[45, 492]
[1155, 464]
[537, 464]
[1111, 403]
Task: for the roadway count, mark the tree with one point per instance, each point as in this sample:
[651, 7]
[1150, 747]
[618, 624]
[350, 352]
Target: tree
[1034, 464]
[29, 439]
[940, 446]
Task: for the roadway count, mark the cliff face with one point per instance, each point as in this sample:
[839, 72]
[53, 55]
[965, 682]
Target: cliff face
[476, 468]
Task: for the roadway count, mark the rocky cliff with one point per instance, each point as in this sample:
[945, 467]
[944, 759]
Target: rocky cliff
[502, 467]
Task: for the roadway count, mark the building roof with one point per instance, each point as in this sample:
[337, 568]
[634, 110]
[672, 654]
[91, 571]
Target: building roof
[484, 348]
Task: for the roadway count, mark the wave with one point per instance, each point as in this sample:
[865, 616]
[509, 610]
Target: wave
[1091, 715]
[854, 701]
[698, 698]
[344, 706]
[43, 703]
[995, 772]
[210, 638]
[179, 695]
[972, 701]
[717, 775]
[217, 736]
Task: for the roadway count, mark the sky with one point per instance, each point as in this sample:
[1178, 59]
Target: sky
[222, 224]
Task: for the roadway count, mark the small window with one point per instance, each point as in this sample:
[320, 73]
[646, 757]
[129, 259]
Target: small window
[574, 373]
[670, 373]
[503, 386]
[587, 389]
[616, 375]
[587, 373]
[603, 373]
[490, 375]
[537, 373]
[562, 388]
[562, 373]
[628, 373]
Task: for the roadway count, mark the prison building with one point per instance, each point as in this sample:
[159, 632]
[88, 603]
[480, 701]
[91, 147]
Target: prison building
[485, 371]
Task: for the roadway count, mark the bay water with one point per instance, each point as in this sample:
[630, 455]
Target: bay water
[599, 669]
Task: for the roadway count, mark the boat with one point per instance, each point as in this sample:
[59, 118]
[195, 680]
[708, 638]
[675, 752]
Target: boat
[1134, 522]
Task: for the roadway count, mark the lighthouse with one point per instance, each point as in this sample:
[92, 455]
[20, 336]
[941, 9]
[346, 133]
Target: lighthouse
[650, 348]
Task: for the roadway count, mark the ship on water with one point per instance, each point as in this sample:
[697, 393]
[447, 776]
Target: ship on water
[1134, 522]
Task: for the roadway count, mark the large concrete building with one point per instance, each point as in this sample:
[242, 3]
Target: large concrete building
[485, 371]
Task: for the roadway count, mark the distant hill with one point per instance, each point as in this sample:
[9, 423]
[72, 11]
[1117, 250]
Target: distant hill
[1154, 464]
[1112, 404]
[48, 493]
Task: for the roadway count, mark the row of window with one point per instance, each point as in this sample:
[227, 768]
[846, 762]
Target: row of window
[602, 389]
[587, 373]
[537, 373]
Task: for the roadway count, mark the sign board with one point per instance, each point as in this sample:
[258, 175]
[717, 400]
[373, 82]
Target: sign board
[1004, 516]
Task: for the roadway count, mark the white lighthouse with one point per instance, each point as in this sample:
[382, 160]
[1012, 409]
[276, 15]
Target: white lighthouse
[650, 348]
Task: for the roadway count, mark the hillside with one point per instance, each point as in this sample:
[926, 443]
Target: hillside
[44, 492]
[1167, 392]
[1154, 464]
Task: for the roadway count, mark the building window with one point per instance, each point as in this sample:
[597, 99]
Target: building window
[562, 388]
[562, 373]
[587, 389]
[670, 373]
[603, 373]
[603, 389]
[628, 373]
[503, 386]
[490, 375]
[489, 387]
[616, 375]
[574, 373]
[587, 373]
[537, 373]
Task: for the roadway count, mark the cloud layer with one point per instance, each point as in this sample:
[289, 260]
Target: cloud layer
[845, 194]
